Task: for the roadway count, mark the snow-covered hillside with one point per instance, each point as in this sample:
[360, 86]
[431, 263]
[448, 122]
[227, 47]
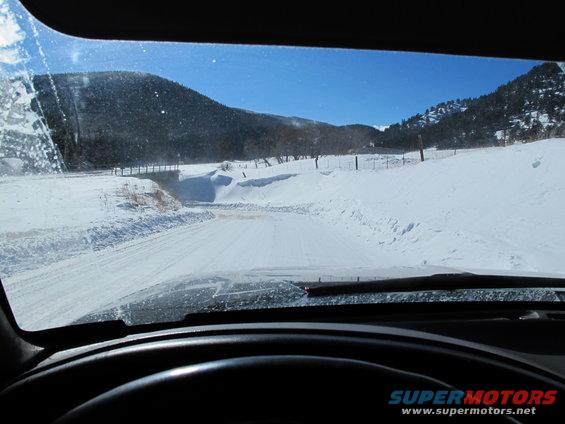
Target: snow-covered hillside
[530, 107]
[494, 208]
[436, 113]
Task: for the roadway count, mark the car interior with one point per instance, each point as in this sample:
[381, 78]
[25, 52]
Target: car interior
[325, 363]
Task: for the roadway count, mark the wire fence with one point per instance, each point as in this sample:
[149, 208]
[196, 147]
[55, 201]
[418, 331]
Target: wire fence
[363, 161]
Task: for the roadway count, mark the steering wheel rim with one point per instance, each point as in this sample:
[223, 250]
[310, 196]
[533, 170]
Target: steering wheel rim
[285, 388]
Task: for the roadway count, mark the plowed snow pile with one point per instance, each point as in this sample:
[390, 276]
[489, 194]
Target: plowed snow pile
[494, 208]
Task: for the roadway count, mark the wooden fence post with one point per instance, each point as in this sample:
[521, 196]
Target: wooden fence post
[421, 147]
[356, 164]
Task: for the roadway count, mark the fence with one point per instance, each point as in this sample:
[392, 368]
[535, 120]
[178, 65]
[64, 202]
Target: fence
[122, 169]
[350, 162]
[143, 169]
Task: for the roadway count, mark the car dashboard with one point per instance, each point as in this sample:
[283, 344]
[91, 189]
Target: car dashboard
[479, 349]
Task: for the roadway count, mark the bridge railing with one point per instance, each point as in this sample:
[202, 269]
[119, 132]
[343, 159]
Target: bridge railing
[144, 169]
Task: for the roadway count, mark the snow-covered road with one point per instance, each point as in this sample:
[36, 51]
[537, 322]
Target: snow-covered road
[235, 240]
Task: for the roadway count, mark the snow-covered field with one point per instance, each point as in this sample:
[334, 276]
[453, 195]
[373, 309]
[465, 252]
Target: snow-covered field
[496, 208]
[47, 218]
[75, 243]
[366, 162]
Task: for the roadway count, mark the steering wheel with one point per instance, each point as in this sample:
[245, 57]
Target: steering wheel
[266, 389]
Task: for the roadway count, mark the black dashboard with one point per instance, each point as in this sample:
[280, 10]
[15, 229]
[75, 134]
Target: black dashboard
[302, 365]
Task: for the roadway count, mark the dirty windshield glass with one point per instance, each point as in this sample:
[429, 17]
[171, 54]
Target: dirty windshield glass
[146, 181]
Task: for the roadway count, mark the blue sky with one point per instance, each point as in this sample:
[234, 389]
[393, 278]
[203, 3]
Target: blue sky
[332, 85]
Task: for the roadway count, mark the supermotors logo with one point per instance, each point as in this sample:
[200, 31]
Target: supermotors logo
[473, 397]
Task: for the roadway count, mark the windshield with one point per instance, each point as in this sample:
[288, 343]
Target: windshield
[196, 177]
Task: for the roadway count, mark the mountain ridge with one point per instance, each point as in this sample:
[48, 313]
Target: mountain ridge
[125, 117]
[137, 117]
[519, 110]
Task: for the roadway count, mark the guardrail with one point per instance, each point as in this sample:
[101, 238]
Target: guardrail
[143, 169]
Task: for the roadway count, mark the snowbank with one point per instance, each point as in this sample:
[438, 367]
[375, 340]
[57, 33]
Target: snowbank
[495, 208]
[44, 202]
[47, 218]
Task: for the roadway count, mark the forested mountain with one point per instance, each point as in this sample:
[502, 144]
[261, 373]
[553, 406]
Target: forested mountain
[436, 113]
[111, 118]
[529, 107]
